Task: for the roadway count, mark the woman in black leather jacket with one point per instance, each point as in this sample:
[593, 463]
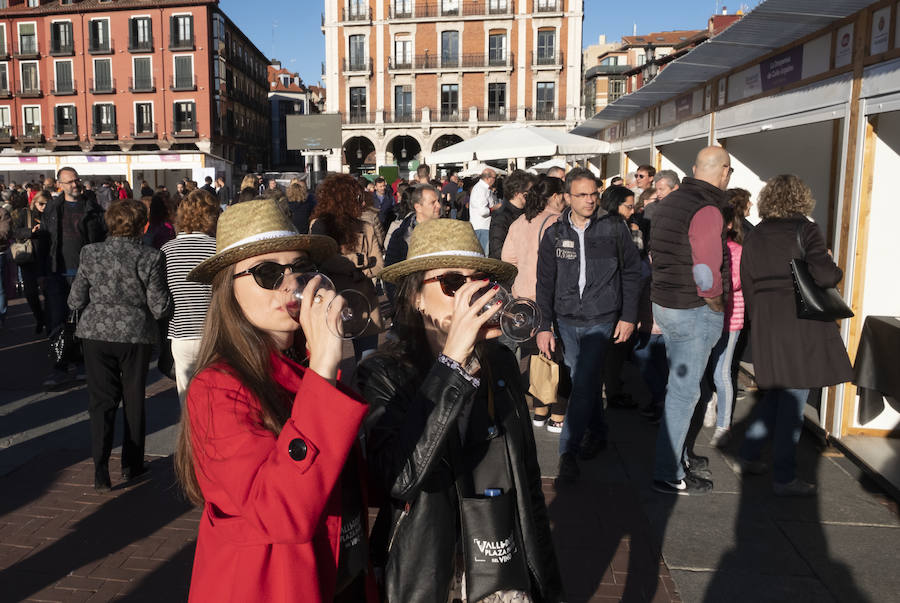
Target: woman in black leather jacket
[449, 416]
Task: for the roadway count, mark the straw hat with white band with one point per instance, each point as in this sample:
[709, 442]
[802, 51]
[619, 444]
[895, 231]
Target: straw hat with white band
[445, 243]
[254, 228]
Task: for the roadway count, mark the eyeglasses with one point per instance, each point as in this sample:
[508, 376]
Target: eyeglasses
[584, 196]
[452, 281]
[641, 175]
[627, 206]
[270, 275]
[75, 181]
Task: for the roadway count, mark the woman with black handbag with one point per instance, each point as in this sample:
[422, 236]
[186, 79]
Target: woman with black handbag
[29, 250]
[791, 355]
[449, 437]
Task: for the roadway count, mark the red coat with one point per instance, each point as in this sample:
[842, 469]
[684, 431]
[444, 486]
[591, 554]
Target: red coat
[272, 519]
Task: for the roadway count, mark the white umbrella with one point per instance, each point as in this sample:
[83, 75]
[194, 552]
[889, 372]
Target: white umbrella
[518, 140]
[550, 163]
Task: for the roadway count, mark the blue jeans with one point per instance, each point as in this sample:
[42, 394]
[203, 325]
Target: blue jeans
[650, 356]
[2, 285]
[583, 350]
[483, 238]
[723, 376]
[690, 335]
[780, 412]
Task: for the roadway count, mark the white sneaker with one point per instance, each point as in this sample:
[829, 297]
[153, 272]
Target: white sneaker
[720, 438]
[709, 417]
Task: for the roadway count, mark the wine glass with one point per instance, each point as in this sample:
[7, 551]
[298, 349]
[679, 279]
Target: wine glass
[348, 313]
[518, 317]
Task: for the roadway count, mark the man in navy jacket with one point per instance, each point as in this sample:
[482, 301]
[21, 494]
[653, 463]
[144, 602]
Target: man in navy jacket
[588, 287]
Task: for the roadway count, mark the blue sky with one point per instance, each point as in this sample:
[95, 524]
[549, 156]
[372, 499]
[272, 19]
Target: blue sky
[290, 29]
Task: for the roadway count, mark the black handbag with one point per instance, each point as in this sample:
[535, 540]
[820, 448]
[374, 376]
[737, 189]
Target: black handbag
[815, 302]
[65, 348]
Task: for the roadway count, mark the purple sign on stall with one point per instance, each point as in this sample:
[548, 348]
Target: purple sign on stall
[785, 68]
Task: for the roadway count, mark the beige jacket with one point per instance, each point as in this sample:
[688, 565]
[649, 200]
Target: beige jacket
[521, 249]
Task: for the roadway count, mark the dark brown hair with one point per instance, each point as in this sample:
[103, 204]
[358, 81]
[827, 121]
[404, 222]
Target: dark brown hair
[735, 231]
[198, 212]
[242, 350]
[126, 218]
[339, 204]
[739, 199]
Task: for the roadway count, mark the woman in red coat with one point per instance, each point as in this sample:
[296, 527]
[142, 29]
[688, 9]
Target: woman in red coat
[269, 448]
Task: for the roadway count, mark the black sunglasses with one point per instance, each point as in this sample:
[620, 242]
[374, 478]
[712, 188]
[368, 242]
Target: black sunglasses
[269, 275]
[452, 281]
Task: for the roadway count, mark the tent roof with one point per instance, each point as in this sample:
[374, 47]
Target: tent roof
[518, 140]
[771, 25]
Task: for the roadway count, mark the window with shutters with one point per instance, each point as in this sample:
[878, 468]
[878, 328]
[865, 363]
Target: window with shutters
[140, 36]
[142, 78]
[181, 36]
[496, 102]
[30, 81]
[66, 120]
[546, 46]
[449, 7]
[497, 48]
[449, 102]
[546, 100]
[3, 50]
[183, 114]
[4, 122]
[99, 42]
[28, 44]
[104, 119]
[449, 48]
[32, 122]
[4, 79]
[63, 82]
[103, 80]
[34, 3]
[358, 105]
[183, 78]
[143, 119]
[61, 43]
[357, 53]
[402, 103]
[403, 53]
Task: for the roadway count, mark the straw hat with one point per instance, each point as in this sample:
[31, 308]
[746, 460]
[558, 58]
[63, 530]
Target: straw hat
[253, 228]
[445, 243]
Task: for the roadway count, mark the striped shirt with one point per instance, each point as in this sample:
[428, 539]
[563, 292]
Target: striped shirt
[183, 253]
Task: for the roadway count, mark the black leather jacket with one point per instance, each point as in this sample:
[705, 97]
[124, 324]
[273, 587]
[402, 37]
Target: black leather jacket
[407, 432]
[92, 227]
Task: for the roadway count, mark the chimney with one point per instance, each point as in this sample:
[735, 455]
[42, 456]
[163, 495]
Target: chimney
[724, 10]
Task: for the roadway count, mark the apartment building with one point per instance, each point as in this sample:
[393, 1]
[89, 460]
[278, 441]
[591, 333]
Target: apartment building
[137, 89]
[413, 76]
[288, 95]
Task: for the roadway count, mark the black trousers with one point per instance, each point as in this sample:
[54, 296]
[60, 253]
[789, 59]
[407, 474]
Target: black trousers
[117, 371]
[29, 273]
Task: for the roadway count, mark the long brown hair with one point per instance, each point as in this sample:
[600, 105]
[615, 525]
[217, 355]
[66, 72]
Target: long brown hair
[242, 350]
[339, 204]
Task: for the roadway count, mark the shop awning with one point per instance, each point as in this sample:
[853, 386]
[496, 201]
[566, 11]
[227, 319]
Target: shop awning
[771, 25]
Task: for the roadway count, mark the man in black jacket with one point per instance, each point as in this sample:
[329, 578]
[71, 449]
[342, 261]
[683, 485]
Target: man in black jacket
[73, 219]
[515, 187]
[588, 288]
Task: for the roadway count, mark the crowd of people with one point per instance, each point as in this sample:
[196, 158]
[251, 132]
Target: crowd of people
[435, 425]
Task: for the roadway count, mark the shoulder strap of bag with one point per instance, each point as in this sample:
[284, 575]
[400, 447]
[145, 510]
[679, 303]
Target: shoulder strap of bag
[541, 230]
[800, 242]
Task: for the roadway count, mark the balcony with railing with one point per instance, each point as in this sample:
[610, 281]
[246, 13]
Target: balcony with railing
[29, 90]
[64, 87]
[65, 131]
[104, 131]
[96, 46]
[451, 115]
[183, 83]
[462, 8]
[60, 48]
[144, 129]
[7, 134]
[547, 59]
[141, 84]
[402, 117]
[356, 14]
[434, 62]
[499, 114]
[5, 92]
[28, 49]
[356, 66]
[32, 133]
[184, 128]
[103, 85]
[186, 43]
[544, 113]
[358, 117]
[140, 46]
[548, 6]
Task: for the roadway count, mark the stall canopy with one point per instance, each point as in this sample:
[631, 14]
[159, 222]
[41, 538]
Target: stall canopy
[516, 141]
[771, 25]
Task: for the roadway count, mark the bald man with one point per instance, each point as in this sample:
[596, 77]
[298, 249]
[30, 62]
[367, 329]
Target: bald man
[687, 291]
[557, 172]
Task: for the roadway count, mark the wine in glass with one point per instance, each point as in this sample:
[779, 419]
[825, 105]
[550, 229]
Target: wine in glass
[518, 317]
[348, 313]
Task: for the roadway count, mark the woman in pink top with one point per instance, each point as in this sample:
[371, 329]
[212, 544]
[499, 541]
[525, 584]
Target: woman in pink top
[723, 353]
[543, 205]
